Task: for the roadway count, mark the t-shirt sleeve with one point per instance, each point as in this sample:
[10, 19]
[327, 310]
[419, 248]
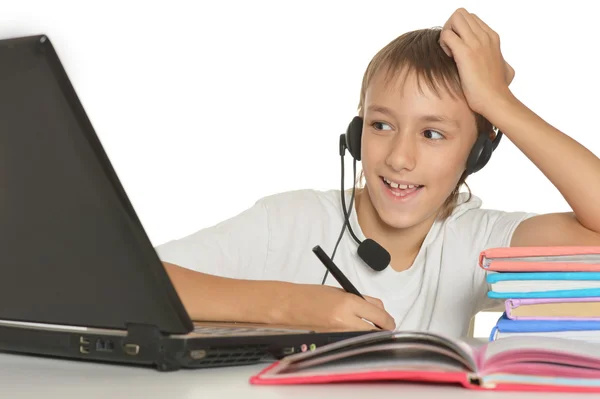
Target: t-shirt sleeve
[235, 248]
[482, 229]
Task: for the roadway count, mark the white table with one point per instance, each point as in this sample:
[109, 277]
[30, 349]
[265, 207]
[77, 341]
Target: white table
[24, 376]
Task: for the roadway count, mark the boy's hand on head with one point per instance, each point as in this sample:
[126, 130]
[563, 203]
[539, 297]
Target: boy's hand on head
[334, 308]
[475, 47]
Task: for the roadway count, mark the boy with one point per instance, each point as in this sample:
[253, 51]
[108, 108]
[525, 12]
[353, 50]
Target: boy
[425, 99]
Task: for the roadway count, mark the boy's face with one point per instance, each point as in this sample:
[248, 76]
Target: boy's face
[412, 137]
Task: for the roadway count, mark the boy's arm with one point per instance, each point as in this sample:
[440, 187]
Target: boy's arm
[571, 168]
[212, 298]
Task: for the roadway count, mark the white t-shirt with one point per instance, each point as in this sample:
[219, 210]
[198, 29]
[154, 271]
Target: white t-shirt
[273, 240]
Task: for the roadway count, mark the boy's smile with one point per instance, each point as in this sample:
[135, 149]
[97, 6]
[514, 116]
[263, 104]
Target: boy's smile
[401, 190]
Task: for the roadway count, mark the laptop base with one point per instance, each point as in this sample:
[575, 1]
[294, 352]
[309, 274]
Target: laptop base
[146, 346]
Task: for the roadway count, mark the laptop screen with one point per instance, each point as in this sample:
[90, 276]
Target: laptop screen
[72, 248]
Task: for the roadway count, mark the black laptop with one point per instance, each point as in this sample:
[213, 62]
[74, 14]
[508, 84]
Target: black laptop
[80, 279]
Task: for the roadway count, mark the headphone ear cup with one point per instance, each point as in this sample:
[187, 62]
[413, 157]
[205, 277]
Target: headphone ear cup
[354, 136]
[484, 157]
[480, 154]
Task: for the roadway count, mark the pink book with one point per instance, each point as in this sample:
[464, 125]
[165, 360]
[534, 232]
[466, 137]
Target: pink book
[518, 363]
[541, 259]
[564, 309]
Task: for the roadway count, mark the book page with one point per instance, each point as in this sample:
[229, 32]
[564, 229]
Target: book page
[384, 345]
[543, 285]
[535, 348]
[459, 347]
[580, 335]
[396, 350]
[385, 357]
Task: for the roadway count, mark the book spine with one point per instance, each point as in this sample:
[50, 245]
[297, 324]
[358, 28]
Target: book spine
[477, 382]
[509, 305]
[492, 336]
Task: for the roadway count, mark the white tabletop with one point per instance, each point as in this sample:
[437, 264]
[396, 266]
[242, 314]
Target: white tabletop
[37, 377]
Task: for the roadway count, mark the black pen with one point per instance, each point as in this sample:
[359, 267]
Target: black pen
[337, 274]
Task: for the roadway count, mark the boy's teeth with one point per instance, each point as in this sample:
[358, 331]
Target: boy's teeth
[401, 186]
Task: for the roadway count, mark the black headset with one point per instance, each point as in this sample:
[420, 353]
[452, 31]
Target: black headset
[373, 254]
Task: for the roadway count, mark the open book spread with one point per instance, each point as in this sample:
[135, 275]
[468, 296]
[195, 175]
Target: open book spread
[512, 363]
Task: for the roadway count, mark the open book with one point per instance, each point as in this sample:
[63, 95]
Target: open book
[513, 363]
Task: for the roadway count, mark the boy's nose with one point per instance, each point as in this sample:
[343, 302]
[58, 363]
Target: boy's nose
[403, 153]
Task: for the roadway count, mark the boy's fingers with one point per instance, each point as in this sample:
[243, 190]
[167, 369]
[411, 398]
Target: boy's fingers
[375, 301]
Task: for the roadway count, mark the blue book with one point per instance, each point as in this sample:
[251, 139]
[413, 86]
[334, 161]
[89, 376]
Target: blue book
[543, 284]
[506, 325]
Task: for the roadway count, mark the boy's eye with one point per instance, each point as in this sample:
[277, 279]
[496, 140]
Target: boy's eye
[431, 134]
[380, 125]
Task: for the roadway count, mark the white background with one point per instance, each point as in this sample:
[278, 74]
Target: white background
[180, 90]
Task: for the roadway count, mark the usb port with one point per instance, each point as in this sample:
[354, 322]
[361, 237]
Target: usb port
[288, 351]
[131, 349]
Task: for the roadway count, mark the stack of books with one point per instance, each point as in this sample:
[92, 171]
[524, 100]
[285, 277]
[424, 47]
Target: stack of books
[547, 291]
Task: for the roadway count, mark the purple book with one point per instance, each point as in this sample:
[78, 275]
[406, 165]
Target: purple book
[587, 308]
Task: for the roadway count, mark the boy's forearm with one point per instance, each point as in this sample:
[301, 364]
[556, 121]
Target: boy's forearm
[213, 298]
[570, 166]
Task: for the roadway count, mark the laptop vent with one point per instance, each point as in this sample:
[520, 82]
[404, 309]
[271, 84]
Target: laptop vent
[226, 356]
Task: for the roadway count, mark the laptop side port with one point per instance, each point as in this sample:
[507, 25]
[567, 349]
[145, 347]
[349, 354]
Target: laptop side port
[131, 349]
[103, 345]
[288, 351]
[84, 345]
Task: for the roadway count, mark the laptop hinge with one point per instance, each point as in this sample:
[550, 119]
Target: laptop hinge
[149, 342]
[142, 334]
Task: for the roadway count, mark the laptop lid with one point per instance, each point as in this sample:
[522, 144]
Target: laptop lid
[72, 249]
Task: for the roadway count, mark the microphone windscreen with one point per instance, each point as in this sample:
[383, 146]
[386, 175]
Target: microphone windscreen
[374, 255]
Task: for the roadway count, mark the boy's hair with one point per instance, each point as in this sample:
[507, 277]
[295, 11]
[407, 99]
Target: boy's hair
[419, 51]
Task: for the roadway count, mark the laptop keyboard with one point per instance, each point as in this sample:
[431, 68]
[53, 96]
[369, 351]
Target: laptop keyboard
[209, 330]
